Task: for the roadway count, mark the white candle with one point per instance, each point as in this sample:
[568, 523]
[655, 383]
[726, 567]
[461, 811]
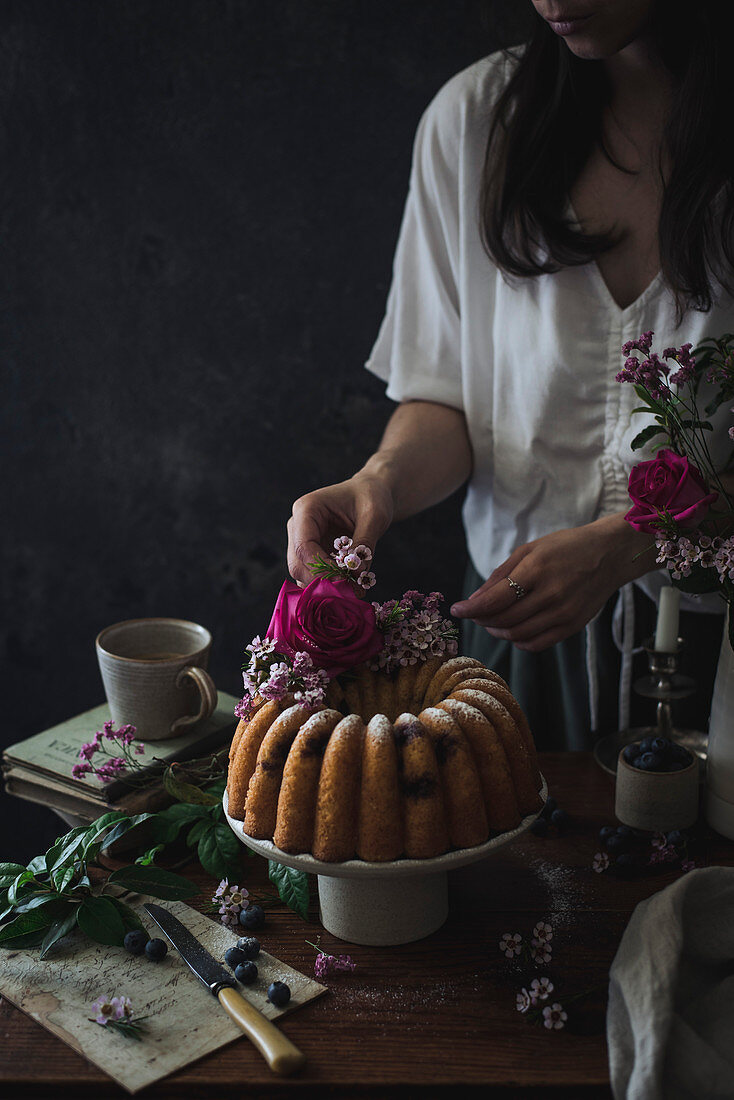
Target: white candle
[666, 633]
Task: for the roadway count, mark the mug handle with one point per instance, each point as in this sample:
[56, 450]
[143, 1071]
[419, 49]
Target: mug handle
[208, 694]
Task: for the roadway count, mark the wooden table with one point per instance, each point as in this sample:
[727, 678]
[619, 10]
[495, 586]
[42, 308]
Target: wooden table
[427, 1018]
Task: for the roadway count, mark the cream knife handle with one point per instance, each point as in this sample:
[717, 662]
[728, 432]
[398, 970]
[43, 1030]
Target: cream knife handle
[277, 1050]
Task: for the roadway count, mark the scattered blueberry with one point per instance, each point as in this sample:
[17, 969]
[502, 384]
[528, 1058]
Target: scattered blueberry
[250, 946]
[617, 844]
[559, 818]
[624, 830]
[246, 973]
[233, 956]
[550, 806]
[625, 865]
[625, 859]
[279, 994]
[135, 941]
[540, 826]
[156, 950]
[675, 838]
[605, 832]
[253, 917]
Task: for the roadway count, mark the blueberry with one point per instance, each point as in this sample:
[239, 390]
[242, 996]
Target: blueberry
[253, 917]
[624, 830]
[630, 752]
[246, 972]
[135, 941]
[233, 956]
[559, 818]
[617, 844]
[624, 864]
[646, 745]
[550, 806]
[279, 994]
[675, 838]
[250, 946]
[540, 826]
[651, 762]
[637, 763]
[681, 755]
[605, 832]
[660, 745]
[156, 950]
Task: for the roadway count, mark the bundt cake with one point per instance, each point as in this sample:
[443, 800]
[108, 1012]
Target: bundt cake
[437, 756]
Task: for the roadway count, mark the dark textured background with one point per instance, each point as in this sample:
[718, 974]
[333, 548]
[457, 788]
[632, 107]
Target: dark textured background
[199, 201]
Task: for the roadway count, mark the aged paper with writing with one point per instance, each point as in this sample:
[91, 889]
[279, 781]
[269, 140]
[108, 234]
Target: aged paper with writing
[185, 1020]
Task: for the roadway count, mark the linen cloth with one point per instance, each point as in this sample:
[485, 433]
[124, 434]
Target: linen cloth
[670, 1020]
[531, 362]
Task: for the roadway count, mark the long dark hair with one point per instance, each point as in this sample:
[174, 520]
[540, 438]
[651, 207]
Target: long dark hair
[547, 121]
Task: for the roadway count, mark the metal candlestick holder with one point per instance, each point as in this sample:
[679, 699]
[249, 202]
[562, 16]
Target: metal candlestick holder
[665, 684]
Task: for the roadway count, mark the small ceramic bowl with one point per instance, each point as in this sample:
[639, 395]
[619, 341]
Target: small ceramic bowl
[656, 801]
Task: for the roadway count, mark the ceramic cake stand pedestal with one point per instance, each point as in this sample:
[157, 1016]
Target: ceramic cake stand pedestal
[382, 904]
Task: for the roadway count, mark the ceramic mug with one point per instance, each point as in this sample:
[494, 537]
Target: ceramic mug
[154, 675]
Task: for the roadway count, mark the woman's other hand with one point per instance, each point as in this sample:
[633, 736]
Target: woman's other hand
[361, 507]
[567, 578]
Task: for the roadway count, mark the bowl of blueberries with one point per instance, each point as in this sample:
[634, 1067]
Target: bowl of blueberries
[657, 785]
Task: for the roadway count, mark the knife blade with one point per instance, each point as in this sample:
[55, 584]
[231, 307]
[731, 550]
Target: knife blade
[279, 1052]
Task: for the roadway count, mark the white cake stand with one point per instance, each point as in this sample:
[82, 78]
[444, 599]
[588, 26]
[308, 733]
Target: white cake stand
[382, 904]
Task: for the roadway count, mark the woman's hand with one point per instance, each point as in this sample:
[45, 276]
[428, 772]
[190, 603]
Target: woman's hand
[568, 576]
[361, 507]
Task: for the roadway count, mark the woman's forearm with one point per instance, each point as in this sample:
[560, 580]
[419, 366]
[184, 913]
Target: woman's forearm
[424, 456]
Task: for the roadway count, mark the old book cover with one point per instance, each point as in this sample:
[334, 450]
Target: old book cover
[54, 752]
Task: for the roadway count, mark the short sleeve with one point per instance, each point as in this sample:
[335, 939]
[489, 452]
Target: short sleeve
[418, 348]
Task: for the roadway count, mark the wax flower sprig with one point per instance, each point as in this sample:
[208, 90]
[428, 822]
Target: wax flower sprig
[114, 765]
[674, 493]
[347, 561]
[116, 1014]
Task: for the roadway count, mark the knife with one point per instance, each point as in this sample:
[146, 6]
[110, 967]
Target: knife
[279, 1052]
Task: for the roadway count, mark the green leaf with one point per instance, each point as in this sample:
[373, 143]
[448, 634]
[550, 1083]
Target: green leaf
[123, 827]
[63, 877]
[148, 857]
[37, 865]
[16, 888]
[99, 919]
[167, 824]
[292, 886]
[187, 792]
[95, 839]
[27, 930]
[130, 918]
[197, 831]
[645, 436]
[699, 580]
[730, 617]
[57, 931]
[9, 873]
[37, 901]
[219, 852]
[65, 848]
[153, 881]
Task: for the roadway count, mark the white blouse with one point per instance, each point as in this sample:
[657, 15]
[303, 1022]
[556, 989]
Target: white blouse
[531, 362]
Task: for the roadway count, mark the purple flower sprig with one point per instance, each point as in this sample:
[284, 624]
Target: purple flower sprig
[346, 561]
[680, 555]
[414, 630]
[325, 963]
[114, 764]
[273, 675]
[229, 901]
[116, 1014]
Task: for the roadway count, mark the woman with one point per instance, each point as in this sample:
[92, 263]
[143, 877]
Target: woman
[562, 201]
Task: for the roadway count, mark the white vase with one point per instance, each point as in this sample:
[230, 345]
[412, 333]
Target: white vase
[720, 756]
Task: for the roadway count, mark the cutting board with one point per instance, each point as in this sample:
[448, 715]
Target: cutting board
[185, 1021]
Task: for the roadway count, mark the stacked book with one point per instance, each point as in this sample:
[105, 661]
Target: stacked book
[39, 768]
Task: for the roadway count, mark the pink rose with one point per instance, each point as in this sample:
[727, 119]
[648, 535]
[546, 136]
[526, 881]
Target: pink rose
[328, 621]
[667, 483]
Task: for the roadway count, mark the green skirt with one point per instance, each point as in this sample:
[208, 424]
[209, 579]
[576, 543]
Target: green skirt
[552, 686]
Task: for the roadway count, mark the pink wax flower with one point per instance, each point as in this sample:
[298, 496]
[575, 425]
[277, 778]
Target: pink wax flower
[328, 621]
[667, 484]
